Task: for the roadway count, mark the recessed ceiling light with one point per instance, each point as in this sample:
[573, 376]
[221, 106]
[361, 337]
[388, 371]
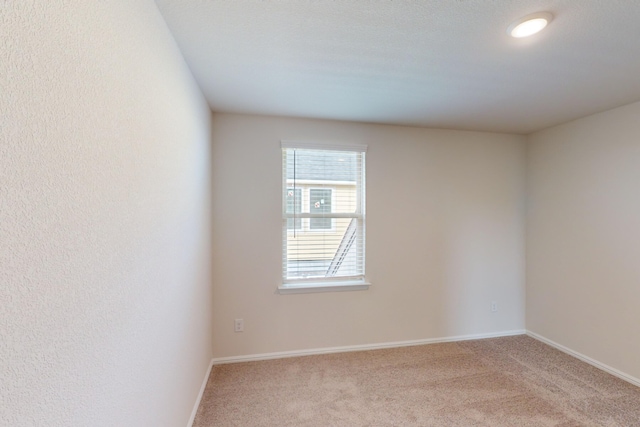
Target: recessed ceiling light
[529, 25]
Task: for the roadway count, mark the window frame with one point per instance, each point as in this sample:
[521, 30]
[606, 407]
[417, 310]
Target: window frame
[325, 284]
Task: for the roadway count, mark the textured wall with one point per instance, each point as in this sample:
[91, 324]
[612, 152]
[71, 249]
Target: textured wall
[445, 237]
[104, 231]
[583, 236]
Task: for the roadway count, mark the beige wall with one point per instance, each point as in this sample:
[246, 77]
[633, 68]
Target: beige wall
[583, 236]
[445, 237]
[105, 301]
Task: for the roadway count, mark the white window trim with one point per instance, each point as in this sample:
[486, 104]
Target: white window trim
[323, 146]
[318, 286]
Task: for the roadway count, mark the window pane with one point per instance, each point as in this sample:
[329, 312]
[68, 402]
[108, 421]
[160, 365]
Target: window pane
[320, 203]
[322, 165]
[294, 199]
[326, 187]
[327, 254]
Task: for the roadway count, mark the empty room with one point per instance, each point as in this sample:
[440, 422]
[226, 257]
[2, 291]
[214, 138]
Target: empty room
[319, 213]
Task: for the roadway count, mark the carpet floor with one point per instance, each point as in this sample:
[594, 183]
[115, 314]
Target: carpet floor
[510, 381]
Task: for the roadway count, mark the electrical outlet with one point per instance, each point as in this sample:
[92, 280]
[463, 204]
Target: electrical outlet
[494, 306]
[239, 325]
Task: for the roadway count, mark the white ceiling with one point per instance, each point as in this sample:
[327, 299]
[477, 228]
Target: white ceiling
[435, 63]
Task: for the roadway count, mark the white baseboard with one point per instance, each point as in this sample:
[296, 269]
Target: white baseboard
[200, 394]
[590, 361]
[327, 350]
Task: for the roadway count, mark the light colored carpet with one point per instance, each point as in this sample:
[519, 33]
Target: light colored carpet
[511, 381]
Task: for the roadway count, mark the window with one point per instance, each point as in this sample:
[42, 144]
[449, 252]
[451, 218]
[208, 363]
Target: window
[323, 215]
[320, 203]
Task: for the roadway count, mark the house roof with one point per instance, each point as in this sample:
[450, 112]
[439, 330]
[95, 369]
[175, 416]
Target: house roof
[322, 165]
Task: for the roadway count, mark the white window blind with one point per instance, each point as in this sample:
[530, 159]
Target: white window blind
[323, 213]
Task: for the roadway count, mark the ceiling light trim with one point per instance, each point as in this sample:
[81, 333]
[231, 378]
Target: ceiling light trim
[543, 19]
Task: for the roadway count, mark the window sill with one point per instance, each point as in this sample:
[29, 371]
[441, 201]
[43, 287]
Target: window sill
[308, 288]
